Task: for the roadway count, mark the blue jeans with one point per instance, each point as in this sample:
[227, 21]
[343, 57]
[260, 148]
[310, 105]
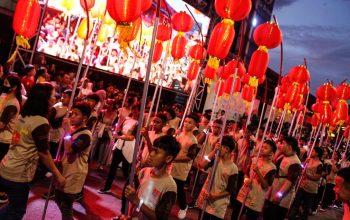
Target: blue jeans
[18, 196]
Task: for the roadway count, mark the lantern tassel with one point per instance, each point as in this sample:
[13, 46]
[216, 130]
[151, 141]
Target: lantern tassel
[22, 42]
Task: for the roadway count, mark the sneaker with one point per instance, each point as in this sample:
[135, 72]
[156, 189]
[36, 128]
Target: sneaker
[104, 191]
[3, 198]
[79, 197]
[182, 213]
[52, 195]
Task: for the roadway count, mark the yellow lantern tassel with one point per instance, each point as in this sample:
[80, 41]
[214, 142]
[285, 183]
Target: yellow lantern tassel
[12, 57]
[22, 42]
[214, 62]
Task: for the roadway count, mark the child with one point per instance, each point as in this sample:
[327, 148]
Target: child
[77, 145]
[157, 191]
[224, 183]
[253, 191]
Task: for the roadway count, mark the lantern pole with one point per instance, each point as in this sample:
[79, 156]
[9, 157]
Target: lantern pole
[306, 102]
[66, 116]
[216, 161]
[250, 112]
[292, 122]
[73, 36]
[38, 33]
[260, 120]
[346, 146]
[296, 122]
[273, 118]
[336, 141]
[143, 101]
[280, 123]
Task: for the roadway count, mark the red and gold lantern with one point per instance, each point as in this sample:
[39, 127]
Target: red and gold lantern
[146, 4]
[258, 63]
[193, 70]
[158, 50]
[268, 35]
[299, 74]
[26, 18]
[178, 47]
[124, 11]
[219, 88]
[233, 64]
[163, 33]
[233, 9]
[228, 85]
[325, 111]
[182, 22]
[209, 74]
[341, 112]
[197, 52]
[314, 121]
[89, 4]
[326, 92]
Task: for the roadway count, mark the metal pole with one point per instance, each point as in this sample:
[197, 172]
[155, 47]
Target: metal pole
[143, 101]
[260, 120]
[38, 32]
[292, 122]
[250, 112]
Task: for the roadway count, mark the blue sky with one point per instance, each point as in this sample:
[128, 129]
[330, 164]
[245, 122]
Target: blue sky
[318, 30]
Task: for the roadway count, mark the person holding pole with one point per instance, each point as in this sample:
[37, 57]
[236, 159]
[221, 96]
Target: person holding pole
[29, 144]
[308, 185]
[225, 181]
[254, 189]
[282, 189]
[183, 162]
[74, 163]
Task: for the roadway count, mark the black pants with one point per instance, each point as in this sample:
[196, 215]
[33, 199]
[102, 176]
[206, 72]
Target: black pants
[181, 196]
[207, 216]
[116, 159]
[65, 204]
[249, 213]
[274, 211]
[124, 200]
[4, 148]
[329, 196]
[318, 198]
[301, 198]
[202, 176]
[240, 181]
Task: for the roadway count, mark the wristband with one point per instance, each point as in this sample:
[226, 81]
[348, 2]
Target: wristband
[140, 205]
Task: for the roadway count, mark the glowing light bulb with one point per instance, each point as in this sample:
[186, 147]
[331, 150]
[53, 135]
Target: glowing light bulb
[67, 137]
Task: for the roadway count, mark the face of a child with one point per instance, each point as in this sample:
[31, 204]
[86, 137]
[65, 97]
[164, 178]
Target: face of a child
[77, 118]
[157, 124]
[266, 150]
[157, 158]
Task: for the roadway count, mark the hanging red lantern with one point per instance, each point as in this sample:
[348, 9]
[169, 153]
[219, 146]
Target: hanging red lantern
[315, 107]
[26, 18]
[262, 79]
[325, 111]
[304, 89]
[220, 42]
[223, 72]
[292, 94]
[158, 51]
[209, 74]
[245, 78]
[314, 121]
[219, 88]
[343, 91]
[346, 133]
[285, 84]
[89, 4]
[163, 33]
[268, 35]
[124, 11]
[145, 5]
[326, 92]
[178, 47]
[228, 85]
[233, 64]
[233, 9]
[299, 74]
[341, 112]
[298, 102]
[197, 52]
[258, 63]
[248, 93]
[182, 22]
[280, 102]
[193, 70]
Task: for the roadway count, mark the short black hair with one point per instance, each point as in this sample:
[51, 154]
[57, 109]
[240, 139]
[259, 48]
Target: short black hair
[345, 174]
[83, 107]
[171, 112]
[229, 142]
[292, 142]
[193, 116]
[319, 152]
[207, 116]
[93, 96]
[68, 92]
[218, 121]
[162, 117]
[272, 144]
[169, 144]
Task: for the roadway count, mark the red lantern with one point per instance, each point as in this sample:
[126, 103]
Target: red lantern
[325, 111]
[219, 88]
[258, 63]
[228, 85]
[262, 79]
[124, 11]
[220, 42]
[233, 64]
[193, 70]
[178, 47]
[299, 74]
[223, 72]
[298, 102]
[292, 94]
[304, 89]
[158, 50]
[163, 33]
[182, 22]
[197, 52]
[343, 91]
[145, 5]
[280, 102]
[314, 121]
[268, 35]
[26, 18]
[315, 107]
[326, 92]
[233, 9]
[346, 133]
[285, 84]
[341, 112]
[89, 4]
[209, 74]
[248, 93]
[245, 78]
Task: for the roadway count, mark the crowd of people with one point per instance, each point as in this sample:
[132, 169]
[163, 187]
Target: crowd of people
[225, 164]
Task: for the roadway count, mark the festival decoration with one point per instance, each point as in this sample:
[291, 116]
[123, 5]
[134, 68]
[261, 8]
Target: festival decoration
[268, 35]
[157, 53]
[258, 63]
[228, 85]
[124, 11]
[299, 74]
[82, 29]
[193, 70]
[163, 34]
[178, 47]
[146, 4]
[233, 9]
[68, 4]
[197, 53]
[25, 21]
[89, 4]
[181, 22]
[103, 33]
